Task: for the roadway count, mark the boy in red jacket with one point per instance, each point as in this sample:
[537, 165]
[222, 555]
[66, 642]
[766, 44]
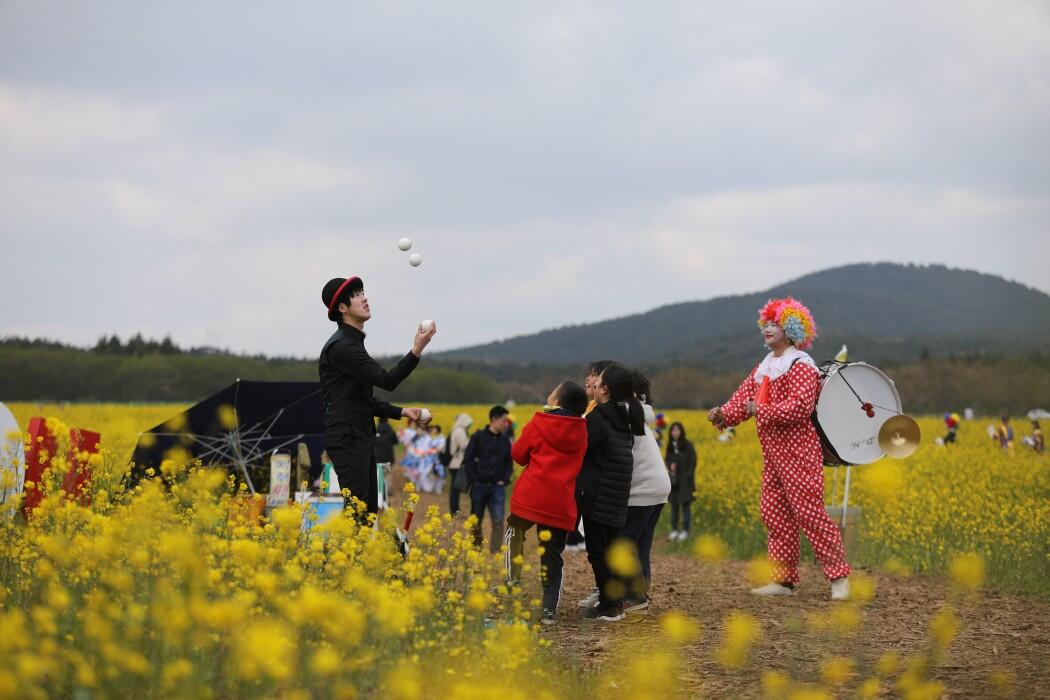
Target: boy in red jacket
[551, 447]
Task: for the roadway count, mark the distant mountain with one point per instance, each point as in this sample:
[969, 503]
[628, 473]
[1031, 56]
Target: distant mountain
[885, 312]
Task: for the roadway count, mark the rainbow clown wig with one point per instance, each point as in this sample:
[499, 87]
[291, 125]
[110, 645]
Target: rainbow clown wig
[793, 317]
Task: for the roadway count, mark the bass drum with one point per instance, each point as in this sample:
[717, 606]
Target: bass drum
[848, 434]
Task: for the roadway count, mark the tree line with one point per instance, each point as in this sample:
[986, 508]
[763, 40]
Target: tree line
[40, 370]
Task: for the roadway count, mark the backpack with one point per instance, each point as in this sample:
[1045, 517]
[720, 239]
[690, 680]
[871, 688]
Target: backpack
[445, 456]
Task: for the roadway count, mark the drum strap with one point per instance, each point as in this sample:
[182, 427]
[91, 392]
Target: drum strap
[862, 402]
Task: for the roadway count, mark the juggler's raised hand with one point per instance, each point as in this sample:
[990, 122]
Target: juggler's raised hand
[422, 339]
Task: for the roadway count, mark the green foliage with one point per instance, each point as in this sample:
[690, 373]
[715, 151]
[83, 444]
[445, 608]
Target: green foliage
[447, 386]
[40, 373]
[949, 338]
[886, 313]
[45, 372]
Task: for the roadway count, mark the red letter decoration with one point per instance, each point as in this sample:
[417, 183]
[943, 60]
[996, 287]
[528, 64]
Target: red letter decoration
[82, 443]
[40, 449]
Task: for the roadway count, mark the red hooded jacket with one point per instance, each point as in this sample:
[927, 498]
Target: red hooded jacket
[551, 447]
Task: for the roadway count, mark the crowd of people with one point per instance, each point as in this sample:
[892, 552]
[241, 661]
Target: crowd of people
[592, 464]
[424, 445]
[1001, 433]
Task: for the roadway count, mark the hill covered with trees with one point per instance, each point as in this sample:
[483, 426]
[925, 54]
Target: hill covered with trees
[886, 313]
[949, 338]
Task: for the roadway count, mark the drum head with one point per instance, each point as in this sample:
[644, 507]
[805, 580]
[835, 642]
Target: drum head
[846, 426]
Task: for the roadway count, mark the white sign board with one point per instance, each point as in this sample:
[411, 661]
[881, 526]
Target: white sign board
[280, 480]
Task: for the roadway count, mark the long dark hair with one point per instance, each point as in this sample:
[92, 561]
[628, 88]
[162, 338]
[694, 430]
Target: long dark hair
[642, 388]
[682, 440]
[598, 366]
[620, 383]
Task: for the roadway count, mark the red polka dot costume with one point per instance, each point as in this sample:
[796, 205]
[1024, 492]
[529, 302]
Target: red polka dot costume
[793, 471]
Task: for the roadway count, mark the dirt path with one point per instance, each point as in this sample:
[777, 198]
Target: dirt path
[998, 632]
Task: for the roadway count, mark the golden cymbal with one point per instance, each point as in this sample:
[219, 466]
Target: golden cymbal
[899, 436]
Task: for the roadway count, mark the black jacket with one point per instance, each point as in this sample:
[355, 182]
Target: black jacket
[386, 439]
[683, 484]
[348, 375]
[487, 458]
[604, 484]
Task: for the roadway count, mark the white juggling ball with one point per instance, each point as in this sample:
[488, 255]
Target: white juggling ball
[425, 415]
[415, 259]
[425, 325]
[404, 243]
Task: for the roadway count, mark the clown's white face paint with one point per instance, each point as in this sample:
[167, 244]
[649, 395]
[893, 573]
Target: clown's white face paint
[774, 337]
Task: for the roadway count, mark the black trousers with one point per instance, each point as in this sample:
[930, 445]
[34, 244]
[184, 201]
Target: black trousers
[611, 588]
[639, 528]
[453, 492]
[686, 515]
[355, 465]
[551, 562]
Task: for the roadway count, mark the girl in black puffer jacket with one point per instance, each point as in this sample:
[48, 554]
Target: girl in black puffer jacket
[604, 484]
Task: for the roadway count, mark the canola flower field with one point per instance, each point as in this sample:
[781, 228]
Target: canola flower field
[167, 590]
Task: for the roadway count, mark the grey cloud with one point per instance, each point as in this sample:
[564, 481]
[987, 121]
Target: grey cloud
[202, 169]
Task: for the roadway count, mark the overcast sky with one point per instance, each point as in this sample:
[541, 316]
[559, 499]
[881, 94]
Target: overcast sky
[201, 169]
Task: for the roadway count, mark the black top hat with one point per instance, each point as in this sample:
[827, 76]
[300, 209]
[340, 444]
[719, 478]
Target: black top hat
[334, 289]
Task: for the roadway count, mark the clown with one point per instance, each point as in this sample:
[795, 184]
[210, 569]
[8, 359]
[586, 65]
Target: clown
[780, 394]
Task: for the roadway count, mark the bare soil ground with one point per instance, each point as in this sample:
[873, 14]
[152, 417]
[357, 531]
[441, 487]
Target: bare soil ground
[998, 632]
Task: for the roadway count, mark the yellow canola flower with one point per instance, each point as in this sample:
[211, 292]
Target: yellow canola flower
[896, 567]
[836, 670]
[809, 694]
[710, 547]
[759, 571]
[404, 682]
[845, 618]
[227, 416]
[888, 664]
[925, 690]
[679, 628]
[741, 631]
[651, 674]
[944, 626]
[265, 649]
[885, 480]
[150, 572]
[175, 672]
[968, 571]
[775, 684]
[623, 558]
[325, 662]
[869, 689]
[1003, 681]
[861, 588]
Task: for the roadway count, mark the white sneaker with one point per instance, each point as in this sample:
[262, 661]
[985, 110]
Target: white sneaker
[773, 589]
[840, 589]
[683, 535]
[590, 601]
[673, 537]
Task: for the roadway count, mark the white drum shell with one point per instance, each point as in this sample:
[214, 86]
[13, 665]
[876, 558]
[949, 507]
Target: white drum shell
[845, 424]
